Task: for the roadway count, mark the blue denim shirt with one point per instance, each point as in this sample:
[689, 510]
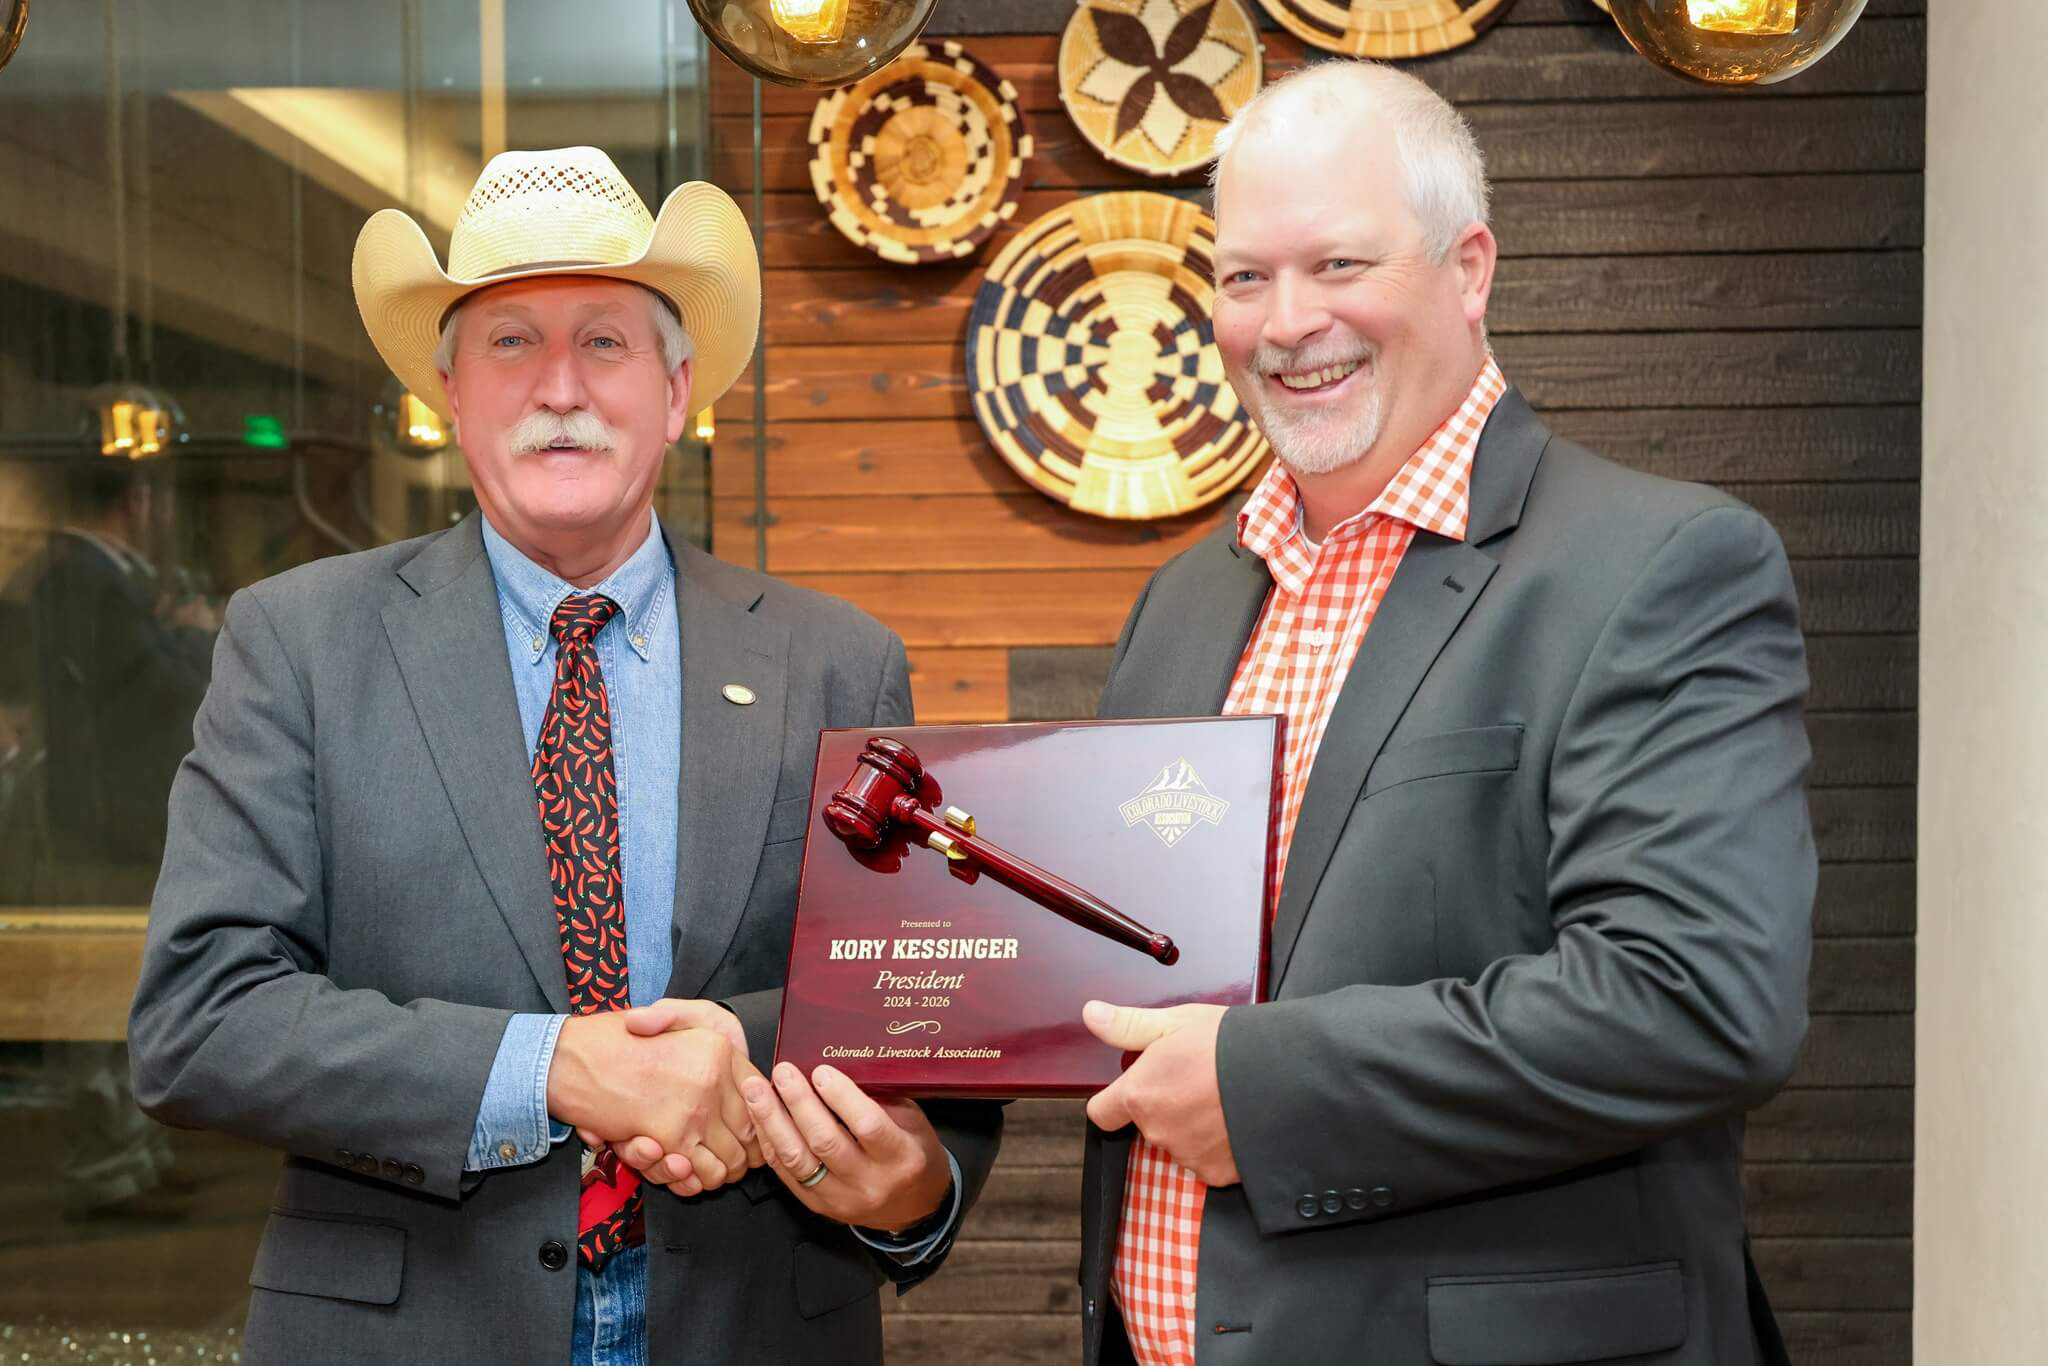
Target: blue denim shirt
[640, 655]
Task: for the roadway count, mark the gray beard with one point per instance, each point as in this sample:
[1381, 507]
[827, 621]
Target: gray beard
[1316, 443]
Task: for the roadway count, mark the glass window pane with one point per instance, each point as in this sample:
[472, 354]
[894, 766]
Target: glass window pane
[188, 403]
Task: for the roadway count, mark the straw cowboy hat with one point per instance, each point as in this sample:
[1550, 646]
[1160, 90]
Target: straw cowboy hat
[564, 212]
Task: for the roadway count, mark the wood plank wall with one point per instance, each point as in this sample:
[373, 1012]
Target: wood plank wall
[1723, 287]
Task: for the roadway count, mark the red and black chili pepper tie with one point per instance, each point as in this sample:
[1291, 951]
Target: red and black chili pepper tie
[579, 817]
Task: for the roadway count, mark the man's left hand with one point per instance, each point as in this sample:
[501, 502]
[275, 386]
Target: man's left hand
[884, 1166]
[1170, 1092]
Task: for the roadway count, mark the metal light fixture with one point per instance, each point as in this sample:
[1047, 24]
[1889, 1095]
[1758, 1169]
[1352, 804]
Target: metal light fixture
[707, 425]
[815, 43]
[11, 32]
[1735, 42]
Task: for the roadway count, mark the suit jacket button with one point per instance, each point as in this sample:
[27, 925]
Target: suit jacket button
[553, 1255]
[413, 1174]
[345, 1156]
[1381, 1197]
[1306, 1207]
[1333, 1203]
[1354, 1198]
[366, 1163]
[393, 1169]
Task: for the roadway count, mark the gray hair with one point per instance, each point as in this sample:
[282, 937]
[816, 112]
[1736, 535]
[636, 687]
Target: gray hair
[1441, 169]
[676, 346]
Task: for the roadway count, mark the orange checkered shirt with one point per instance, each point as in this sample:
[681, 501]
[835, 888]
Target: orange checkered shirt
[1316, 615]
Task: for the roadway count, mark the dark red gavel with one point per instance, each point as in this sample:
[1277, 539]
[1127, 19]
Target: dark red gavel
[883, 793]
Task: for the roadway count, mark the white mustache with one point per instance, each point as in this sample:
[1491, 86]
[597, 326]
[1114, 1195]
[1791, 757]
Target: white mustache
[1275, 360]
[538, 431]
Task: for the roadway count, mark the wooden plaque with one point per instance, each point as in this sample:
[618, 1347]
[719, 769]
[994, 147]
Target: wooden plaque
[918, 974]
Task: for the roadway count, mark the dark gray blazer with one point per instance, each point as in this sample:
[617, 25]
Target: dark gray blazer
[354, 900]
[1543, 937]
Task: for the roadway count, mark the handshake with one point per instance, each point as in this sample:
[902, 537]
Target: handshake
[670, 1088]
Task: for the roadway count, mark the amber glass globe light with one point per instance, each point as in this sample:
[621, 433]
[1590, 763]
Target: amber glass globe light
[1735, 42]
[815, 43]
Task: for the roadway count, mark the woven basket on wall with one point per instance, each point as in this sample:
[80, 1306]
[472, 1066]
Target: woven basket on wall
[1150, 82]
[922, 160]
[1387, 28]
[1092, 365]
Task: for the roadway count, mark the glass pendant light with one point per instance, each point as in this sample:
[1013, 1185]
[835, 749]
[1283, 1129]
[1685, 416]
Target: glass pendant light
[1735, 42]
[816, 43]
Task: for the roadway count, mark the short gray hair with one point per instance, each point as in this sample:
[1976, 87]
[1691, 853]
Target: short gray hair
[676, 346]
[1441, 168]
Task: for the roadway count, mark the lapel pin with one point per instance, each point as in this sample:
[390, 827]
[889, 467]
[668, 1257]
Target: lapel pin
[739, 694]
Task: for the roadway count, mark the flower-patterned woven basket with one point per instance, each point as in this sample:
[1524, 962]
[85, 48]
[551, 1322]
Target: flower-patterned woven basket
[1149, 82]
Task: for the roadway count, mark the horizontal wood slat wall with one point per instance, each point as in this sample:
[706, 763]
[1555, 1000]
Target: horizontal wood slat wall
[1723, 287]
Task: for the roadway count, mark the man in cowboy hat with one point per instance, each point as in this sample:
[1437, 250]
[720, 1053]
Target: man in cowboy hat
[456, 804]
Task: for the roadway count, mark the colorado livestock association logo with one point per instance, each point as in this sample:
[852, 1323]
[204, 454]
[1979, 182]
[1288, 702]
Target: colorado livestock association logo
[1173, 802]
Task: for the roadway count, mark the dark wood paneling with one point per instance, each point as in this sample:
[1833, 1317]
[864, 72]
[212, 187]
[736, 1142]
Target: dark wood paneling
[1814, 1125]
[1057, 683]
[1733, 447]
[1025, 530]
[1036, 16]
[1514, 64]
[1863, 673]
[845, 382]
[1532, 219]
[920, 1339]
[1691, 136]
[1858, 597]
[959, 685]
[952, 531]
[1863, 749]
[1056, 607]
[1544, 294]
[1864, 899]
[1837, 1274]
[1857, 1050]
[1863, 824]
[1871, 976]
[1848, 1339]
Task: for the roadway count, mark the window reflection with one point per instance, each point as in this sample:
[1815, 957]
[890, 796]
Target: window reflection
[188, 404]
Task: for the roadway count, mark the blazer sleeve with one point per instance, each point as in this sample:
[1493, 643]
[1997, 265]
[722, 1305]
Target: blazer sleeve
[234, 1027]
[1680, 880]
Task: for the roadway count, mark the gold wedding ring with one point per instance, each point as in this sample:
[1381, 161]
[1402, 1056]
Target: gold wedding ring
[815, 1177]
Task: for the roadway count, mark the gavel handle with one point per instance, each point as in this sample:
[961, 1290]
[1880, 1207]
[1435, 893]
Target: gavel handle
[1054, 893]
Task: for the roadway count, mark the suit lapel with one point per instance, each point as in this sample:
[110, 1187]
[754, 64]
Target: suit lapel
[450, 645]
[1438, 582]
[731, 757]
[1201, 636]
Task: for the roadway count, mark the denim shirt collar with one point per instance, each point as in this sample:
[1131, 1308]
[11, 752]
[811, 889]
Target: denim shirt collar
[529, 594]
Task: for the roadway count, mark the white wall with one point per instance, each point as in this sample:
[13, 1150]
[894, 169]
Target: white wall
[1980, 1209]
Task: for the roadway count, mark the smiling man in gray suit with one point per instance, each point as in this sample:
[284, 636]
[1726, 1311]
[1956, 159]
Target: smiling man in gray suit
[485, 856]
[1543, 919]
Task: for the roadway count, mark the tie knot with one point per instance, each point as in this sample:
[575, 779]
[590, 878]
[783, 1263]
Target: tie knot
[582, 616]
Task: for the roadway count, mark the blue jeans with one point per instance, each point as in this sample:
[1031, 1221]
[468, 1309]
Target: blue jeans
[611, 1312]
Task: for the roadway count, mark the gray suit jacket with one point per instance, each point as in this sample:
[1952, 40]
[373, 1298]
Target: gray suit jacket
[1543, 937]
[354, 900]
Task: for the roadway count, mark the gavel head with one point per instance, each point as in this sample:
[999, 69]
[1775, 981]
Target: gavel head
[860, 812]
